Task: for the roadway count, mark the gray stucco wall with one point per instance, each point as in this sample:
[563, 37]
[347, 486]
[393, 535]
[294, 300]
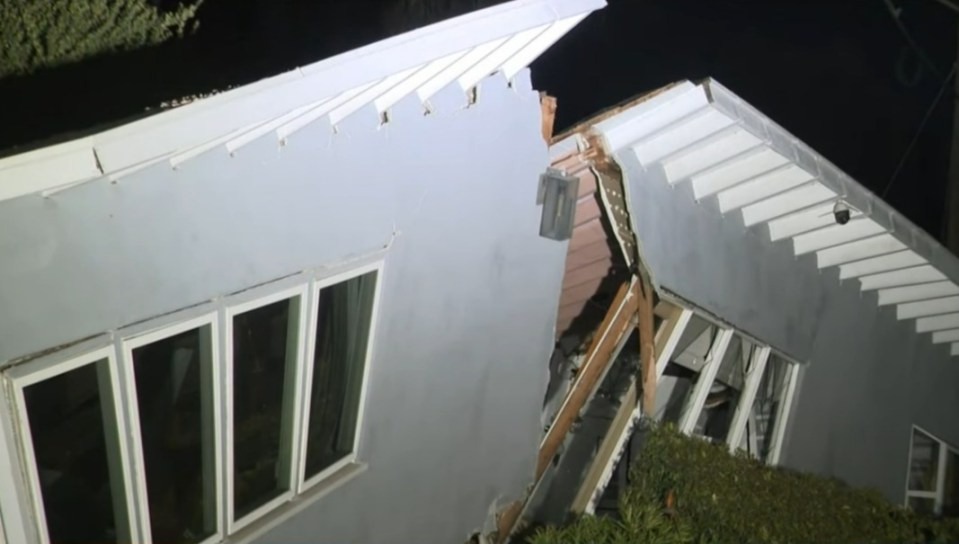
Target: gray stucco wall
[869, 377]
[468, 304]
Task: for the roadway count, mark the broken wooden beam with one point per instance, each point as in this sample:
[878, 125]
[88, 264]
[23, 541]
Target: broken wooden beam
[616, 323]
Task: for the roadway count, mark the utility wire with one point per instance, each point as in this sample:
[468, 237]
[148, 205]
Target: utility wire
[922, 126]
[920, 52]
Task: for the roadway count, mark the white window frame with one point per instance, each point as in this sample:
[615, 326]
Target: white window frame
[304, 302]
[938, 494]
[316, 288]
[43, 369]
[758, 362]
[127, 345]
[784, 413]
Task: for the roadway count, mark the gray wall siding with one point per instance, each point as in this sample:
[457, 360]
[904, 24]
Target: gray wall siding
[869, 377]
[468, 302]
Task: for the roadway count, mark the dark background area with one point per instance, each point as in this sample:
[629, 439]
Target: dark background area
[838, 74]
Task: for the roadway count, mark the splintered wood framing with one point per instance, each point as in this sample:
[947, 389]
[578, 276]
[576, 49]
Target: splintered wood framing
[627, 415]
[609, 336]
[647, 351]
[615, 325]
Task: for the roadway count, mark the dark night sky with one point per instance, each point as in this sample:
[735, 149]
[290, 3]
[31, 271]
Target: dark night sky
[825, 70]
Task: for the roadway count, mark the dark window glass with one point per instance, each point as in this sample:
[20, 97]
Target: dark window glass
[682, 373]
[342, 335]
[924, 465]
[82, 500]
[717, 415]
[174, 397]
[763, 420]
[264, 350]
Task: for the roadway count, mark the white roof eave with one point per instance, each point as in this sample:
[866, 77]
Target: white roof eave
[694, 132]
[514, 33]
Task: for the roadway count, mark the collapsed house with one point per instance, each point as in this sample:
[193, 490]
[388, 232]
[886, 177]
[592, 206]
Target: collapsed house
[331, 304]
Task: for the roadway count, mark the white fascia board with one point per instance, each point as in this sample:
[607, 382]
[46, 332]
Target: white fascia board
[679, 135]
[937, 323]
[944, 337]
[369, 95]
[48, 168]
[541, 43]
[835, 234]
[708, 153]
[882, 263]
[456, 69]
[924, 308]
[762, 187]
[415, 81]
[654, 113]
[899, 278]
[784, 203]
[178, 130]
[492, 62]
[912, 293]
[805, 220]
[735, 172]
[859, 250]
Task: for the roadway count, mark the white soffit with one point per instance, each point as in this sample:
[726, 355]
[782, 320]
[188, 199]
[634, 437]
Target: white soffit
[704, 135]
[505, 38]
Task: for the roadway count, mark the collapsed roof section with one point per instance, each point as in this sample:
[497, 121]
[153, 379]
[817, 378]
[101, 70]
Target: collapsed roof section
[460, 51]
[757, 189]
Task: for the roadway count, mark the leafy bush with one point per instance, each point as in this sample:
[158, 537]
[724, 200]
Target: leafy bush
[43, 33]
[687, 490]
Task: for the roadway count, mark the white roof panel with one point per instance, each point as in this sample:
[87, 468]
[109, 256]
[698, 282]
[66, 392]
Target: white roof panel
[503, 38]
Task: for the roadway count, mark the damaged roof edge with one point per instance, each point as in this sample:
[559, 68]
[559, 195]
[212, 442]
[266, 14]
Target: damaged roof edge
[623, 125]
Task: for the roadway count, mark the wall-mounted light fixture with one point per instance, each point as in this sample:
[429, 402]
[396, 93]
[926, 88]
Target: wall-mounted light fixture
[557, 194]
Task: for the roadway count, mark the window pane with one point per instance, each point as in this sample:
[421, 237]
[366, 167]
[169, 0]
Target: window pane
[765, 413]
[724, 394]
[264, 351]
[950, 500]
[174, 397]
[342, 334]
[66, 417]
[681, 374]
[924, 464]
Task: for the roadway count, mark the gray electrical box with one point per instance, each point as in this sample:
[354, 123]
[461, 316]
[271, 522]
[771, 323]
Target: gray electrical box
[557, 194]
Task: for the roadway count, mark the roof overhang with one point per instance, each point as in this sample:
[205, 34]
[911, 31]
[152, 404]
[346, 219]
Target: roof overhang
[739, 165]
[505, 38]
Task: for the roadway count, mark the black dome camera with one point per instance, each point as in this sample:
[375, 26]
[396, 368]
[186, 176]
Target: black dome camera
[841, 212]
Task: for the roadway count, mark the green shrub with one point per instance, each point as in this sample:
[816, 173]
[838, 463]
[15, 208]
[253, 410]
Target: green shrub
[44, 33]
[685, 489]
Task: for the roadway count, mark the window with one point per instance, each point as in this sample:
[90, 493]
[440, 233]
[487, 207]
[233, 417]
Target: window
[717, 415]
[342, 322]
[73, 450]
[762, 429]
[175, 414]
[682, 373]
[261, 371]
[188, 433]
[932, 482]
[724, 387]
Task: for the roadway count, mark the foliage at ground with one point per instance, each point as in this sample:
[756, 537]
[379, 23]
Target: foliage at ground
[687, 490]
[44, 33]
